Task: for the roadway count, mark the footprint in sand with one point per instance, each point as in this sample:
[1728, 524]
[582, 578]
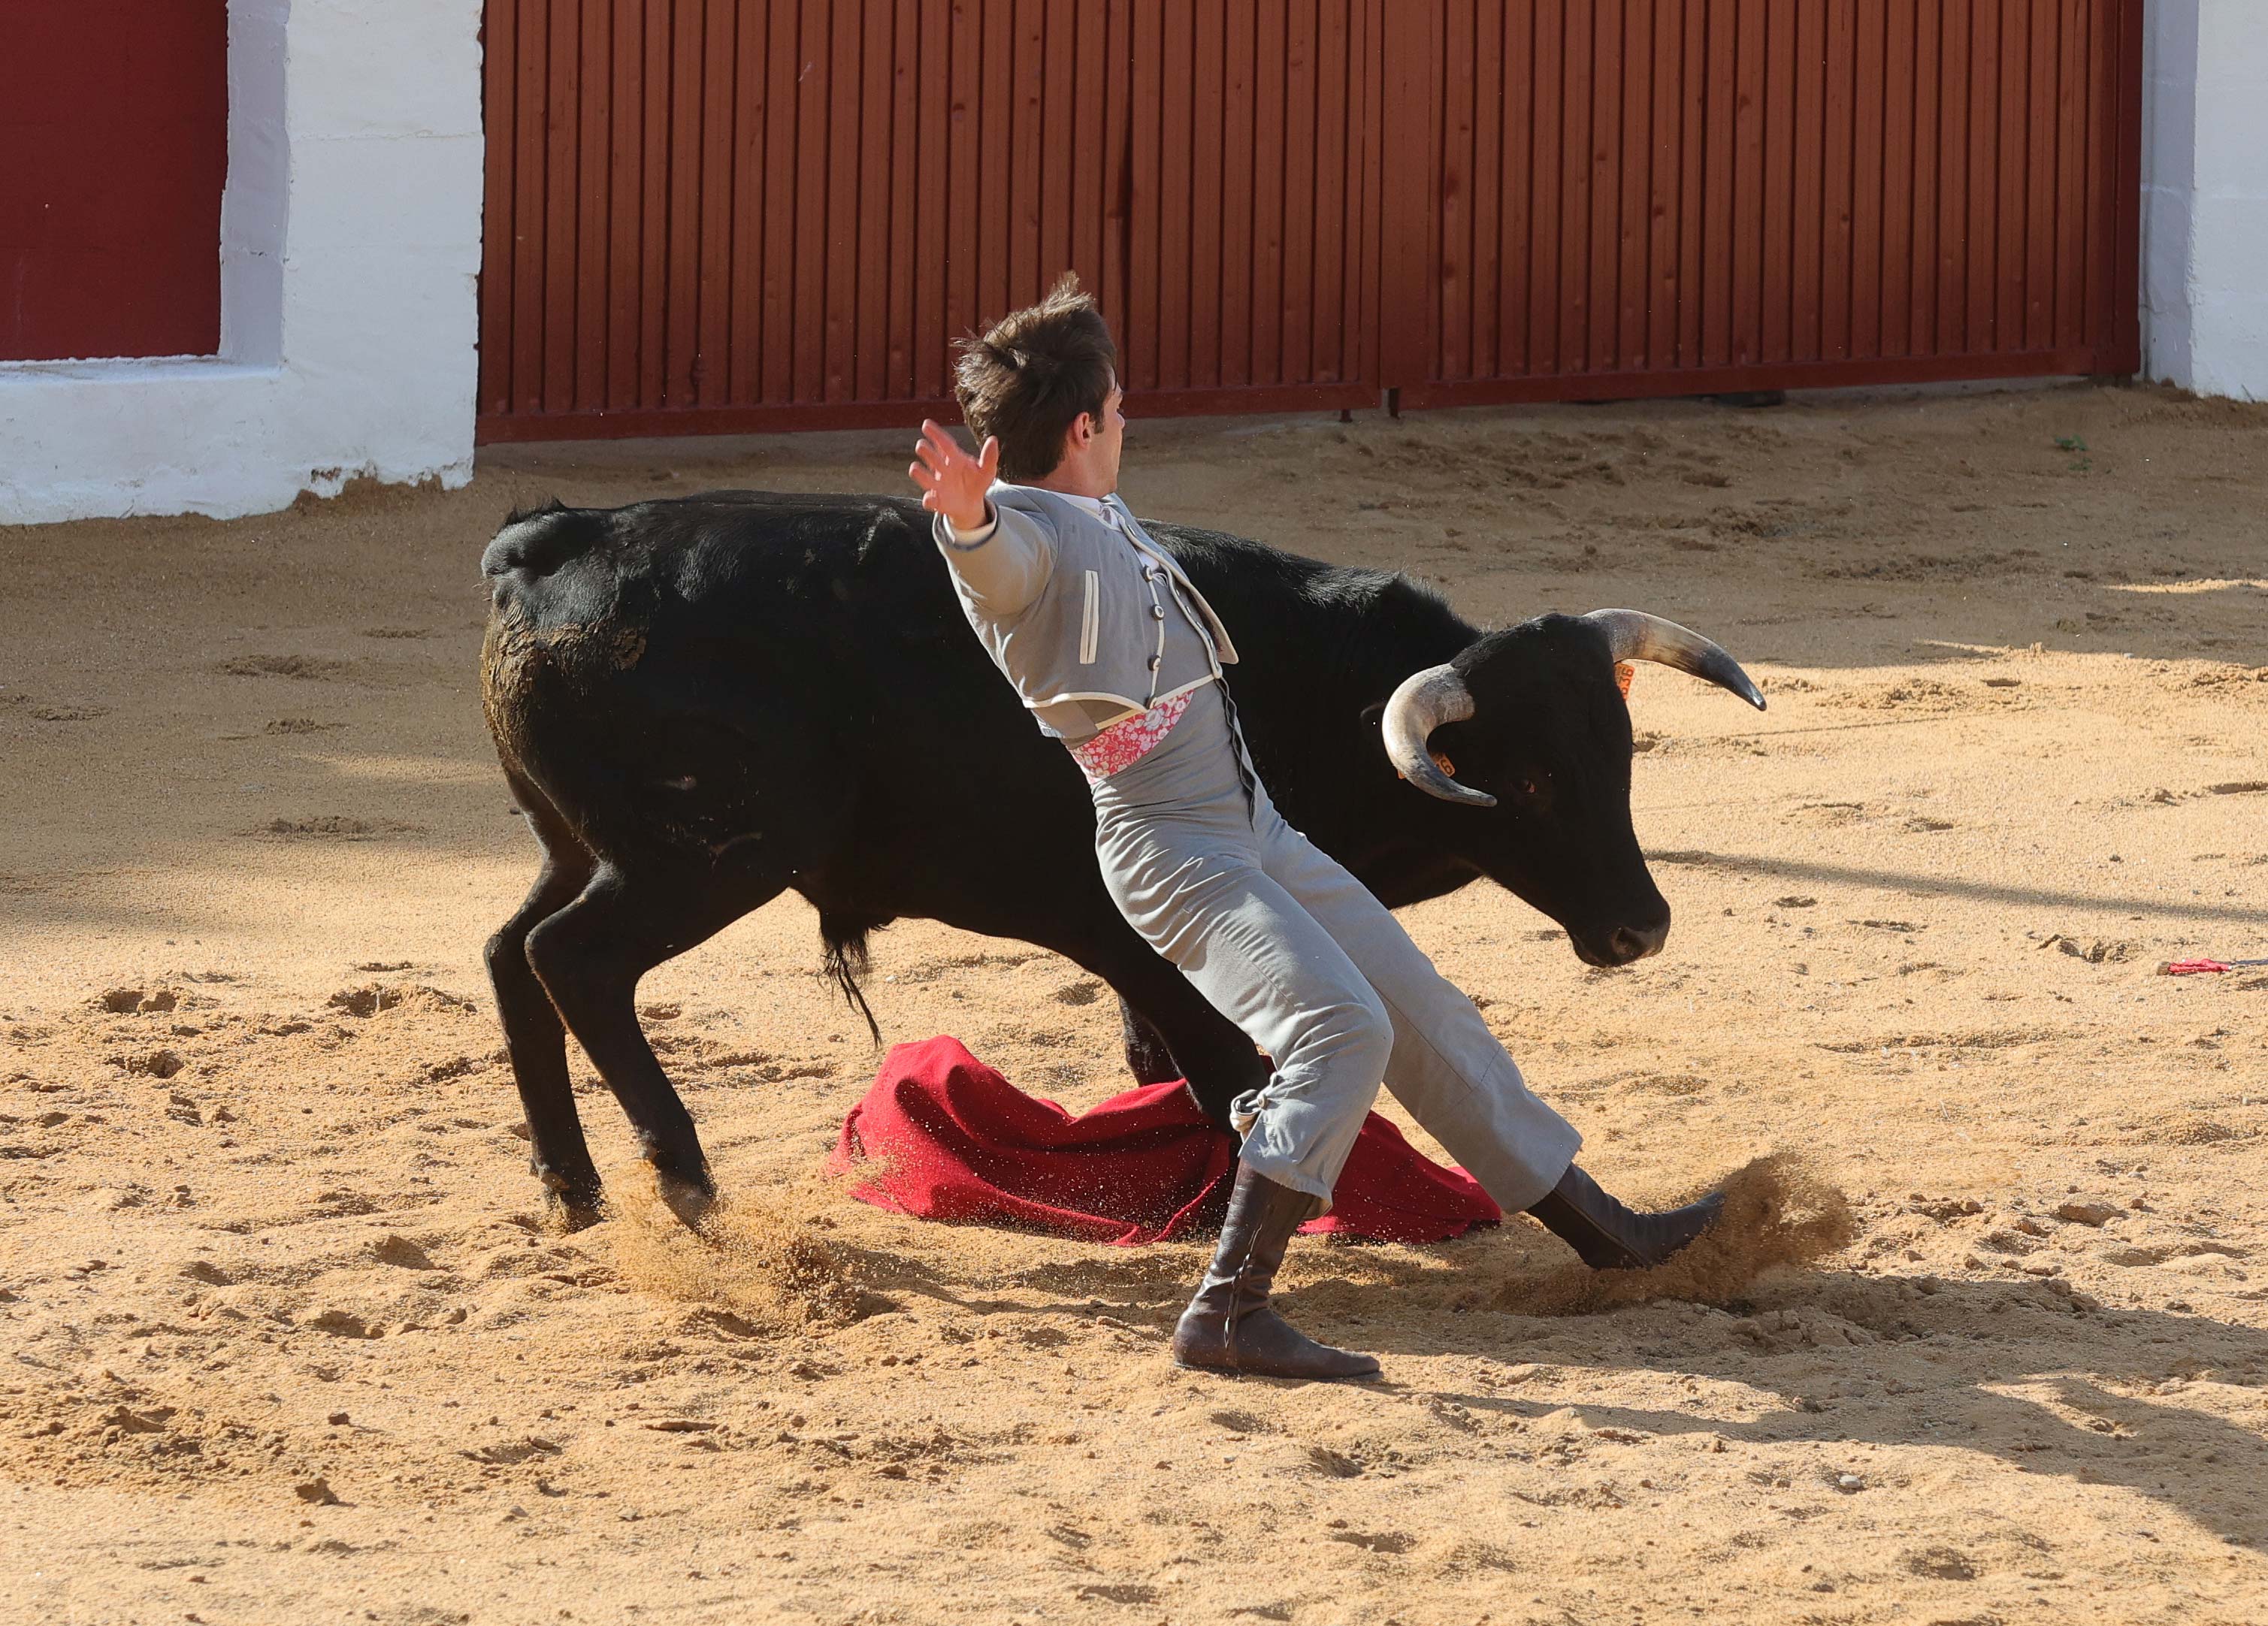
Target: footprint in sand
[339, 827]
[298, 725]
[307, 666]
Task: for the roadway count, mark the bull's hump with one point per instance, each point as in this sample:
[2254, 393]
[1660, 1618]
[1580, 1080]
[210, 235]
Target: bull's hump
[539, 544]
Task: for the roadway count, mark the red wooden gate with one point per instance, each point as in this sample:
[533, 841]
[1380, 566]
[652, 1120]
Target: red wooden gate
[731, 215]
[1649, 197]
[727, 215]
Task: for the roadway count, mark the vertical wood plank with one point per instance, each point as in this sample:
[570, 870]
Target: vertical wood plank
[1983, 148]
[1138, 335]
[1459, 192]
[685, 147]
[734, 378]
[1575, 226]
[1544, 324]
[1954, 242]
[1724, 114]
[1176, 160]
[593, 177]
[719, 51]
[1490, 99]
[2102, 92]
[1632, 294]
[1835, 294]
[877, 119]
[784, 168]
[993, 196]
[654, 269]
[1748, 190]
[1333, 190]
[1901, 32]
[1603, 232]
[1206, 118]
[1870, 56]
[1794, 95]
[1092, 178]
[1516, 254]
[1665, 219]
[2071, 181]
[962, 225]
[905, 245]
[2041, 123]
[1299, 359]
[626, 208]
[1370, 308]
[1118, 169]
[934, 174]
[1696, 143]
[2012, 93]
[814, 68]
[1027, 136]
[531, 105]
[1268, 290]
[563, 97]
[1236, 198]
[1061, 116]
[1928, 172]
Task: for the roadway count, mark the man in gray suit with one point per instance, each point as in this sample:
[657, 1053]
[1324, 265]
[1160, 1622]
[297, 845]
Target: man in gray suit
[1115, 653]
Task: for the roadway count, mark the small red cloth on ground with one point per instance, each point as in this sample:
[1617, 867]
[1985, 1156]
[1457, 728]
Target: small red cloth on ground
[943, 1137]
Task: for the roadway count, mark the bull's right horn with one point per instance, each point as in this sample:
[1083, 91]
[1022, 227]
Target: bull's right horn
[1425, 701]
[1634, 634]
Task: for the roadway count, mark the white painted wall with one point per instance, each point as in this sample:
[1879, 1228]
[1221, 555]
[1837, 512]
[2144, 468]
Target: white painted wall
[2205, 198]
[350, 249]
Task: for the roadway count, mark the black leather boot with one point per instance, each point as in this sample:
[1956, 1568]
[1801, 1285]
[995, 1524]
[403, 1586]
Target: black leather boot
[1229, 1326]
[1611, 1237]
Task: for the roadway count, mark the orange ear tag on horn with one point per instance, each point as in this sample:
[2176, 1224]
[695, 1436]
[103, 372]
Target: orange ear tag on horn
[1444, 764]
[1623, 673]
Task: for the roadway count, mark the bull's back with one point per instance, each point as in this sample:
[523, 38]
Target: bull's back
[659, 671]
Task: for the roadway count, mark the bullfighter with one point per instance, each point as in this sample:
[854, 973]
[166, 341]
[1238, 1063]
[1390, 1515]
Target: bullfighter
[1116, 654]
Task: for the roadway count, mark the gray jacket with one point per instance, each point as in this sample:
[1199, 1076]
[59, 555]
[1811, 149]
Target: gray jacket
[1091, 622]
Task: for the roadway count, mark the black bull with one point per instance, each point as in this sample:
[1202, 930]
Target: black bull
[703, 703]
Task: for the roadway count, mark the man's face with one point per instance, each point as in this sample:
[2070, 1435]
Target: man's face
[1109, 437]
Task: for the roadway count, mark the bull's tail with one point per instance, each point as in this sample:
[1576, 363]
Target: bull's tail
[848, 959]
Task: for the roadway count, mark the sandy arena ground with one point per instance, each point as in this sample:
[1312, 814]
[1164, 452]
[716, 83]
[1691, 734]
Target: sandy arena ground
[283, 1339]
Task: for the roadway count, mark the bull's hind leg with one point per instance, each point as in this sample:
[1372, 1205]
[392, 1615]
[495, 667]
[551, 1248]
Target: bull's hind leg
[532, 1035]
[1148, 1056]
[590, 956]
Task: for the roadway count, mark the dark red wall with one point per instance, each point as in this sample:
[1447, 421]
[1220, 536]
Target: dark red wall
[113, 145]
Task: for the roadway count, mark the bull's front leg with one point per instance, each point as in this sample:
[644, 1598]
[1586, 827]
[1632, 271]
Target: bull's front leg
[590, 956]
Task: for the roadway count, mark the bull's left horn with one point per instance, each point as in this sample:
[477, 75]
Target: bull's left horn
[1425, 701]
[1634, 634]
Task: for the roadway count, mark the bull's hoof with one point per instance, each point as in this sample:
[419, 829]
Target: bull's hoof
[571, 1202]
[573, 1214]
[691, 1200]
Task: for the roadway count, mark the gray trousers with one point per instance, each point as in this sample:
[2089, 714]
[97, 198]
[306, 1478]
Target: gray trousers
[1316, 972]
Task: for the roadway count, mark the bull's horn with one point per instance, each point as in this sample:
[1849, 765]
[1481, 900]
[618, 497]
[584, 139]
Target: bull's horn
[1425, 701]
[1634, 634]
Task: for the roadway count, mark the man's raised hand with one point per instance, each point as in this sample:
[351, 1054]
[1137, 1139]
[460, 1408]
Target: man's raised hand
[952, 483]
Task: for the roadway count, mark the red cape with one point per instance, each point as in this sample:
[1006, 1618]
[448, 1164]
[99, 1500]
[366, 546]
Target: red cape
[941, 1135]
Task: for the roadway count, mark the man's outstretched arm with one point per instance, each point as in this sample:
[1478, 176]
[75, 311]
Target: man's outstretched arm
[1003, 558]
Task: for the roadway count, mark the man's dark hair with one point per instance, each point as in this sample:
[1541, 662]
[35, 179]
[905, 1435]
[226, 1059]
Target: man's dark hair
[1027, 379]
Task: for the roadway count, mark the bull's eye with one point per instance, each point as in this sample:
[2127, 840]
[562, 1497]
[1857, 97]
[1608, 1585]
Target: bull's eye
[1527, 787]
